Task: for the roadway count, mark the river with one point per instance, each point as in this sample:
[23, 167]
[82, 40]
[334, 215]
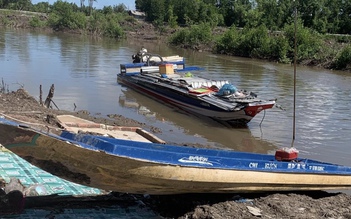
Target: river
[84, 72]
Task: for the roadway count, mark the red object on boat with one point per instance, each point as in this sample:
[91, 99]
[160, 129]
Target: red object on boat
[286, 155]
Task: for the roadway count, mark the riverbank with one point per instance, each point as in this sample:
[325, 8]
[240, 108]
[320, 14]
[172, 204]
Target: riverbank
[21, 105]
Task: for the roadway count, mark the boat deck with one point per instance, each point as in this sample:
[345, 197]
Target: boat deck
[77, 125]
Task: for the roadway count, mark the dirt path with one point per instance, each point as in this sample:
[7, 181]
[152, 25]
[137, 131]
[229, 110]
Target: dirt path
[22, 106]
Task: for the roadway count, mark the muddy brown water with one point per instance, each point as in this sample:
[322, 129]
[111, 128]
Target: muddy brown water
[84, 72]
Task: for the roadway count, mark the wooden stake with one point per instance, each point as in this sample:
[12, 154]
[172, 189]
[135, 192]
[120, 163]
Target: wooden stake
[40, 95]
[50, 96]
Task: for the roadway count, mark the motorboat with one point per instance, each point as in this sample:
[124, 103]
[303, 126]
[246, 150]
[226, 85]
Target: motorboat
[217, 99]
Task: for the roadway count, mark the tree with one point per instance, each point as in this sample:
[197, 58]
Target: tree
[43, 7]
[16, 4]
[170, 17]
[66, 15]
[186, 11]
[120, 8]
[235, 11]
[4, 3]
[139, 5]
[207, 13]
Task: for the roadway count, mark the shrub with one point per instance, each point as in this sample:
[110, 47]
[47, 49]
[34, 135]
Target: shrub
[200, 33]
[112, 27]
[53, 20]
[343, 60]
[193, 35]
[36, 22]
[179, 37]
[254, 42]
[4, 20]
[66, 15]
[95, 23]
[228, 42]
[308, 42]
[69, 20]
[78, 21]
[278, 49]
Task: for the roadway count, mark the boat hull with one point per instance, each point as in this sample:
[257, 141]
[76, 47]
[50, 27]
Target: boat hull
[198, 105]
[148, 168]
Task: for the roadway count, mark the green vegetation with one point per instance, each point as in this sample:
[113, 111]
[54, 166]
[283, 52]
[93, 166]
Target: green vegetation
[343, 60]
[36, 22]
[332, 16]
[193, 36]
[64, 16]
[261, 29]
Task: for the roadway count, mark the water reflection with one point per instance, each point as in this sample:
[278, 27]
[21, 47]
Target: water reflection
[216, 133]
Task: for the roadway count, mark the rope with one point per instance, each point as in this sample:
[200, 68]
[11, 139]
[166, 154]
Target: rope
[264, 114]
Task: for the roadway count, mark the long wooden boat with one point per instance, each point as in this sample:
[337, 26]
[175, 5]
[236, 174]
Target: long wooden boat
[217, 99]
[151, 168]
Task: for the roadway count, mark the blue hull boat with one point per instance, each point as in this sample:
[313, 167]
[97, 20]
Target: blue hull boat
[150, 168]
[173, 83]
[198, 96]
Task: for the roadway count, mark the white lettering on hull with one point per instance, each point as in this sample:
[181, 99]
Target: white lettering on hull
[196, 159]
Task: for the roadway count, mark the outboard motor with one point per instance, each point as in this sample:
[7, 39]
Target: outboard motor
[136, 58]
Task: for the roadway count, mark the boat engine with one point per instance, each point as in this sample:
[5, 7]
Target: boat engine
[137, 57]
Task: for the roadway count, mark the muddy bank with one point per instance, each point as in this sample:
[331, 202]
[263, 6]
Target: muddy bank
[318, 204]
